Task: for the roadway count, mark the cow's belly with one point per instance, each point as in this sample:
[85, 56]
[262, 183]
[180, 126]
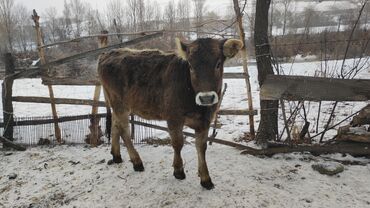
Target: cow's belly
[149, 114]
[143, 104]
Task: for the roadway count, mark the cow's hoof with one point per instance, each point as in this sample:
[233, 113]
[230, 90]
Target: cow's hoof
[139, 167]
[115, 160]
[207, 184]
[179, 174]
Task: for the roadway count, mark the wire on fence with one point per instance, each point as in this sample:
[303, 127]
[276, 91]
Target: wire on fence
[74, 130]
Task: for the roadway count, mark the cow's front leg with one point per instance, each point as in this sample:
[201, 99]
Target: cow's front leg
[201, 145]
[177, 141]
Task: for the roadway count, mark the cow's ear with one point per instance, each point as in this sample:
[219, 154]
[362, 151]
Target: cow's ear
[232, 47]
[181, 49]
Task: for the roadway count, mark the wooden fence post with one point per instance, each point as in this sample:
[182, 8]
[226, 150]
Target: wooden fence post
[94, 124]
[7, 91]
[41, 52]
[245, 66]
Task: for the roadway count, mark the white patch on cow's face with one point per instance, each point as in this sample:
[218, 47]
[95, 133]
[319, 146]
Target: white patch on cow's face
[206, 98]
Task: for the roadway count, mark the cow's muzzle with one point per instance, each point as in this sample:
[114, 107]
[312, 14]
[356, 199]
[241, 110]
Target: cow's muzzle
[206, 98]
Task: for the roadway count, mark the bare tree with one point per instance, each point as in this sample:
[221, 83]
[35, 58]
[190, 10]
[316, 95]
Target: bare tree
[286, 13]
[66, 22]
[157, 15]
[170, 18]
[93, 23]
[52, 23]
[309, 12]
[7, 20]
[23, 30]
[141, 14]
[132, 14]
[183, 14]
[78, 11]
[116, 11]
[198, 14]
[170, 14]
[149, 15]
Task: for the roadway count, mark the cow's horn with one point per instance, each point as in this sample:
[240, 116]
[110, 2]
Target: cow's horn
[181, 49]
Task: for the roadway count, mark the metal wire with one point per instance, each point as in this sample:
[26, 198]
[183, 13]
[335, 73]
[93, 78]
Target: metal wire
[73, 132]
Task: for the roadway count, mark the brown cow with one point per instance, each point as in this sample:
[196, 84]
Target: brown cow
[182, 89]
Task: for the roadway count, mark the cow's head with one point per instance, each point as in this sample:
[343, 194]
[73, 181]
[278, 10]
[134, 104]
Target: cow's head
[206, 58]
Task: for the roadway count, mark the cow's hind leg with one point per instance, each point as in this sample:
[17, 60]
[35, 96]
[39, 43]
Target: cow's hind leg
[201, 145]
[116, 131]
[125, 134]
[177, 141]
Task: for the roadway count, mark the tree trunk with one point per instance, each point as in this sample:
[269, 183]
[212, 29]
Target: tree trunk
[268, 127]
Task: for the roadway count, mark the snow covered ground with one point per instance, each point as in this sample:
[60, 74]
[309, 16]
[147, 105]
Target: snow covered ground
[67, 176]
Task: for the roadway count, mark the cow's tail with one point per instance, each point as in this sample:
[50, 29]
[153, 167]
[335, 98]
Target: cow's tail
[108, 122]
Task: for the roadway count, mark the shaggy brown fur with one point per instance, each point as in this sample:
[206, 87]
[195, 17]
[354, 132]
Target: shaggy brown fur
[163, 86]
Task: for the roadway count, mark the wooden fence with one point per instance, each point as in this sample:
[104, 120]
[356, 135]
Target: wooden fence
[11, 73]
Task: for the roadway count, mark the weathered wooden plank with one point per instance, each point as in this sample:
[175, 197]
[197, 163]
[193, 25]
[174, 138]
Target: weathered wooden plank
[25, 73]
[230, 75]
[237, 112]
[353, 134]
[70, 81]
[354, 149]
[70, 101]
[11, 144]
[298, 88]
[101, 50]
[139, 33]
[66, 101]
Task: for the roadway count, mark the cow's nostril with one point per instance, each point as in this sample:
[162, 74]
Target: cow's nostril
[207, 99]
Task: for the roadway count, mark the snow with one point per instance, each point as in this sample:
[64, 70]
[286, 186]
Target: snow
[35, 62]
[47, 177]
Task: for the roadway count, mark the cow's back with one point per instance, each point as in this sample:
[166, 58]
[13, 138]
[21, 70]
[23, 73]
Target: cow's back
[134, 79]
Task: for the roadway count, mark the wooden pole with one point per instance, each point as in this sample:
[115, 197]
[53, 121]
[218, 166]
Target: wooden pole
[245, 65]
[7, 90]
[103, 42]
[41, 51]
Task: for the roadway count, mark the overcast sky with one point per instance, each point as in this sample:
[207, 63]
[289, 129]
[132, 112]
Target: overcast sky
[40, 5]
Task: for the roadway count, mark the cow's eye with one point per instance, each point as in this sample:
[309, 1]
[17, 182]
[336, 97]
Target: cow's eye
[218, 65]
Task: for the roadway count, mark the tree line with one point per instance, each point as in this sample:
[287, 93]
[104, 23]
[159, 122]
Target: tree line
[78, 18]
